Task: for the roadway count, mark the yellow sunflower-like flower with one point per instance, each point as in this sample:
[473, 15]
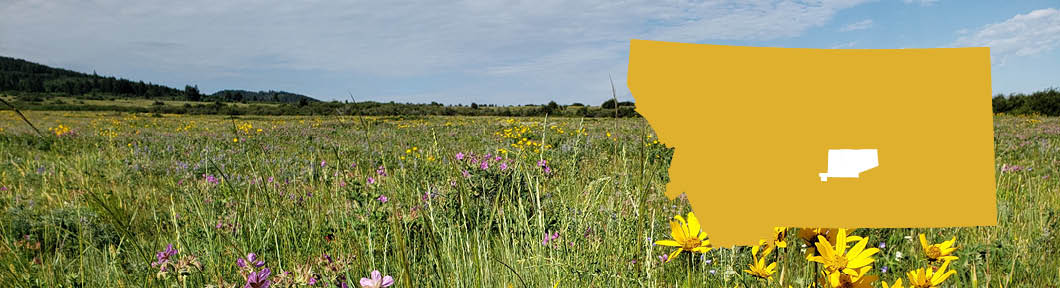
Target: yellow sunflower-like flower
[811, 235]
[897, 284]
[759, 268]
[928, 277]
[780, 238]
[686, 236]
[843, 261]
[939, 252]
[838, 279]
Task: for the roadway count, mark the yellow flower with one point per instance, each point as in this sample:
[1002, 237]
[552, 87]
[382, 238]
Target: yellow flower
[686, 236]
[897, 284]
[928, 277]
[810, 236]
[843, 261]
[838, 279]
[942, 251]
[759, 268]
[235, 139]
[780, 240]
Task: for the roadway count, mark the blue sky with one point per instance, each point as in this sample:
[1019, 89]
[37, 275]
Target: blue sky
[512, 52]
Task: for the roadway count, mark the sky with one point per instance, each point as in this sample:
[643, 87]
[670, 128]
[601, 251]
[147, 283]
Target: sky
[493, 52]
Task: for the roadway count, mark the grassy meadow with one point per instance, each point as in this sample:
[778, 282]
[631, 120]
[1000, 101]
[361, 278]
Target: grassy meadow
[322, 201]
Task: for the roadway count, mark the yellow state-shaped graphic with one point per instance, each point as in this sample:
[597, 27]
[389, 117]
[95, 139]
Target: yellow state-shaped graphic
[752, 128]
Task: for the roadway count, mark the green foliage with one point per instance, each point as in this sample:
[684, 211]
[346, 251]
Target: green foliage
[1045, 102]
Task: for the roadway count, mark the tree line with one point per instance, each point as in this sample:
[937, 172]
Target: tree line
[1045, 102]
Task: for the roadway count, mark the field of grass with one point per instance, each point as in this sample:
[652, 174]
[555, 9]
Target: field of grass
[129, 102]
[432, 202]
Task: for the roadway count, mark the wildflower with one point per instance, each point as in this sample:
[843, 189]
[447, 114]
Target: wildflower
[252, 259]
[460, 156]
[163, 257]
[382, 199]
[484, 165]
[466, 174]
[759, 268]
[810, 237]
[323, 163]
[928, 277]
[381, 171]
[897, 284]
[549, 238]
[3, 188]
[1011, 168]
[371, 180]
[942, 251]
[664, 257]
[259, 279]
[687, 236]
[883, 270]
[840, 261]
[838, 279]
[504, 166]
[377, 280]
[780, 237]
[882, 245]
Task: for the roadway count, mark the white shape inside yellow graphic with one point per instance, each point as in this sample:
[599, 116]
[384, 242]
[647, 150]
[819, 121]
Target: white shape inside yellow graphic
[849, 163]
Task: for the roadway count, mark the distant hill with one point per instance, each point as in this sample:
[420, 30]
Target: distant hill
[19, 76]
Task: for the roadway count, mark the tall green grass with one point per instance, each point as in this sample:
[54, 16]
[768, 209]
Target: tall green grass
[102, 201]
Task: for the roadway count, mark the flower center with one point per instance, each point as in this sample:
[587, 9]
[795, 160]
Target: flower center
[691, 243]
[839, 262]
[934, 252]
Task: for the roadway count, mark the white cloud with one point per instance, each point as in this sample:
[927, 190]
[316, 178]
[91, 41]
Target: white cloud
[1023, 35]
[860, 25]
[568, 46]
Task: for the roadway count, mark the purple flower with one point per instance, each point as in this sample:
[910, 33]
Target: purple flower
[323, 163]
[381, 171]
[382, 199]
[882, 245]
[549, 238]
[377, 280]
[460, 156]
[883, 269]
[1011, 168]
[548, 170]
[353, 165]
[163, 257]
[542, 163]
[4, 188]
[259, 279]
[251, 259]
[484, 165]
[466, 174]
[504, 166]
[270, 179]
[210, 179]
[312, 281]
[371, 180]
[664, 257]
